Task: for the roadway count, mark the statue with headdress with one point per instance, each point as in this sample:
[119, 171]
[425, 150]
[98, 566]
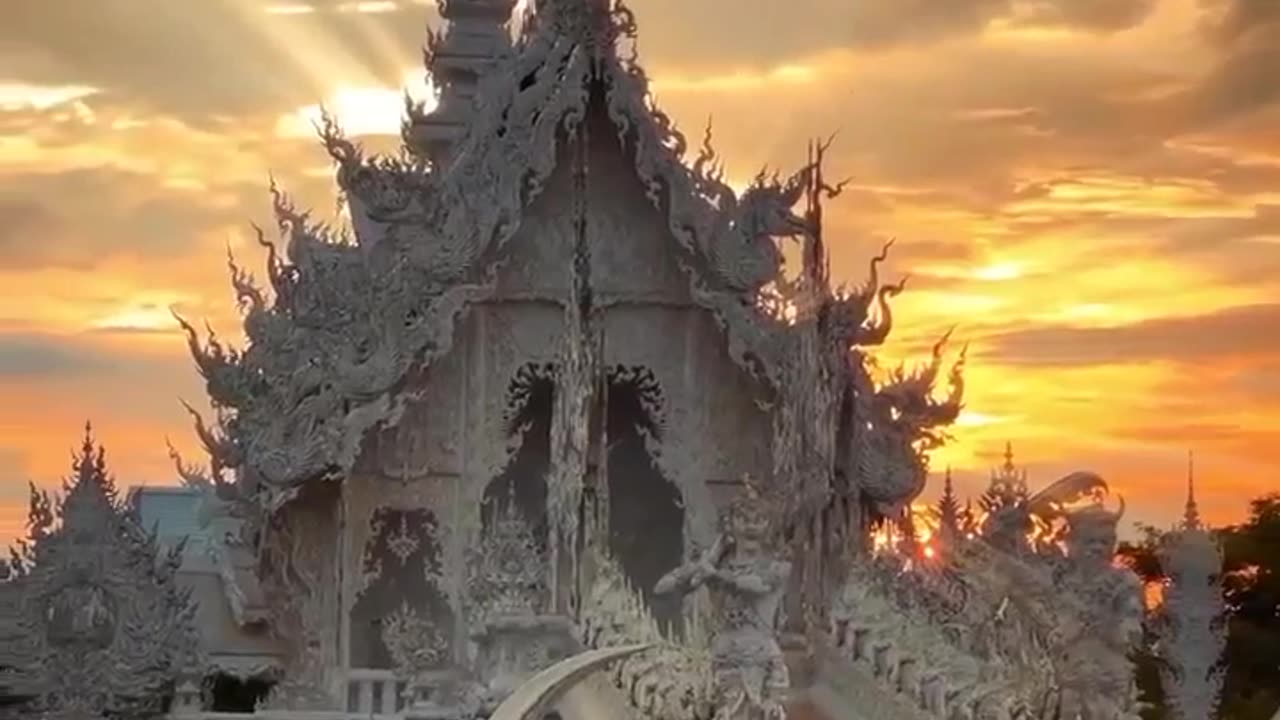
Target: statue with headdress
[1095, 674]
[746, 579]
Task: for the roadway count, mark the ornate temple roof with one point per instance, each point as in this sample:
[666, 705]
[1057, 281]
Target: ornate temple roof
[352, 314]
[475, 37]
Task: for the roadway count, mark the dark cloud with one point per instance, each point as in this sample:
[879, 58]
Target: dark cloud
[876, 23]
[14, 474]
[1262, 226]
[31, 356]
[1257, 382]
[1240, 250]
[233, 56]
[207, 57]
[21, 221]
[937, 127]
[1243, 80]
[1248, 331]
[1240, 439]
[1228, 21]
[770, 32]
[132, 385]
[1097, 15]
[78, 218]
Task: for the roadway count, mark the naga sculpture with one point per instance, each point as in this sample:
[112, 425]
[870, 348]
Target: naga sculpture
[746, 581]
[743, 247]
[904, 422]
[540, 691]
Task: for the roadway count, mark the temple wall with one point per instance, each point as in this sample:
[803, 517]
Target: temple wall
[453, 438]
[451, 442]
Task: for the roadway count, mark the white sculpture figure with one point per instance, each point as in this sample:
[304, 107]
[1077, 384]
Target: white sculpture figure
[1095, 673]
[746, 582]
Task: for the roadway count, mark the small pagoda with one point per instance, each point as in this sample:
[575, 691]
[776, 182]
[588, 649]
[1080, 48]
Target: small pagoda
[102, 625]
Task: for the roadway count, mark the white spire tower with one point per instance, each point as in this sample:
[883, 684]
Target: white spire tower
[1191, 515]
[1189, 622]
[474, 38]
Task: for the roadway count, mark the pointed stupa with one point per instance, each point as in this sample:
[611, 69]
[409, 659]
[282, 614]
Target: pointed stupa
[1189, 626]
[949, 512]
[1008, 483]
[1191, 515]
[474, 38]
[90, 491]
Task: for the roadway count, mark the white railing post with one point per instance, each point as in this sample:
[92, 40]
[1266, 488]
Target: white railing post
[187, 702]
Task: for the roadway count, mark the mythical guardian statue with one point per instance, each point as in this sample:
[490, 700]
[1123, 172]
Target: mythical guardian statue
[1094, 671]
[746, 581]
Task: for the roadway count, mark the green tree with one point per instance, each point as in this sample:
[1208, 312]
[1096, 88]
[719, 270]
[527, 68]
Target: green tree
[1142, 556]
[1252, 588]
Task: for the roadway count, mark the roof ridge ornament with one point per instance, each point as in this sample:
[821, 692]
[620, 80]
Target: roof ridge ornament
[1191, 515]
[595, 24]
[475, 37]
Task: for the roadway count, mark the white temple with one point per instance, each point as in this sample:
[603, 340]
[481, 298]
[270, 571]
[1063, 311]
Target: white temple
[555, 393]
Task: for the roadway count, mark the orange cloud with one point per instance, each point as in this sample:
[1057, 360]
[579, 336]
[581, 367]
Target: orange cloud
[1088, 193]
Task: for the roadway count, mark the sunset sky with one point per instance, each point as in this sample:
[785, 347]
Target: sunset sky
[1089, 190]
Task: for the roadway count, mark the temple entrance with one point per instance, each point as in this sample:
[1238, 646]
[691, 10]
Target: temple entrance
[646, 514]
[231, 694]
[524, 481]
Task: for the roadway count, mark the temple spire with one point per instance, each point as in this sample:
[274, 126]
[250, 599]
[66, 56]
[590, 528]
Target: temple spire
[949, 509]
[1008, 483]
[584, 20]
[474, 38]
[1191, 516]
[90, 477]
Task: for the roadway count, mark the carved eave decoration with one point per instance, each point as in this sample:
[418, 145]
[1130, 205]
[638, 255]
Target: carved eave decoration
[350, 316]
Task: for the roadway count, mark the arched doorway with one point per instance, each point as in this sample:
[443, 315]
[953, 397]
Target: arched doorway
[529, 406]
[646, 512]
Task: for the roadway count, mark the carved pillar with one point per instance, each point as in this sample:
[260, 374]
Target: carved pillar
[577, 381]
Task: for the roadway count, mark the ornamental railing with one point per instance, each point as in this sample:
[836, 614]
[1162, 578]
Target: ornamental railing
[375, 692]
